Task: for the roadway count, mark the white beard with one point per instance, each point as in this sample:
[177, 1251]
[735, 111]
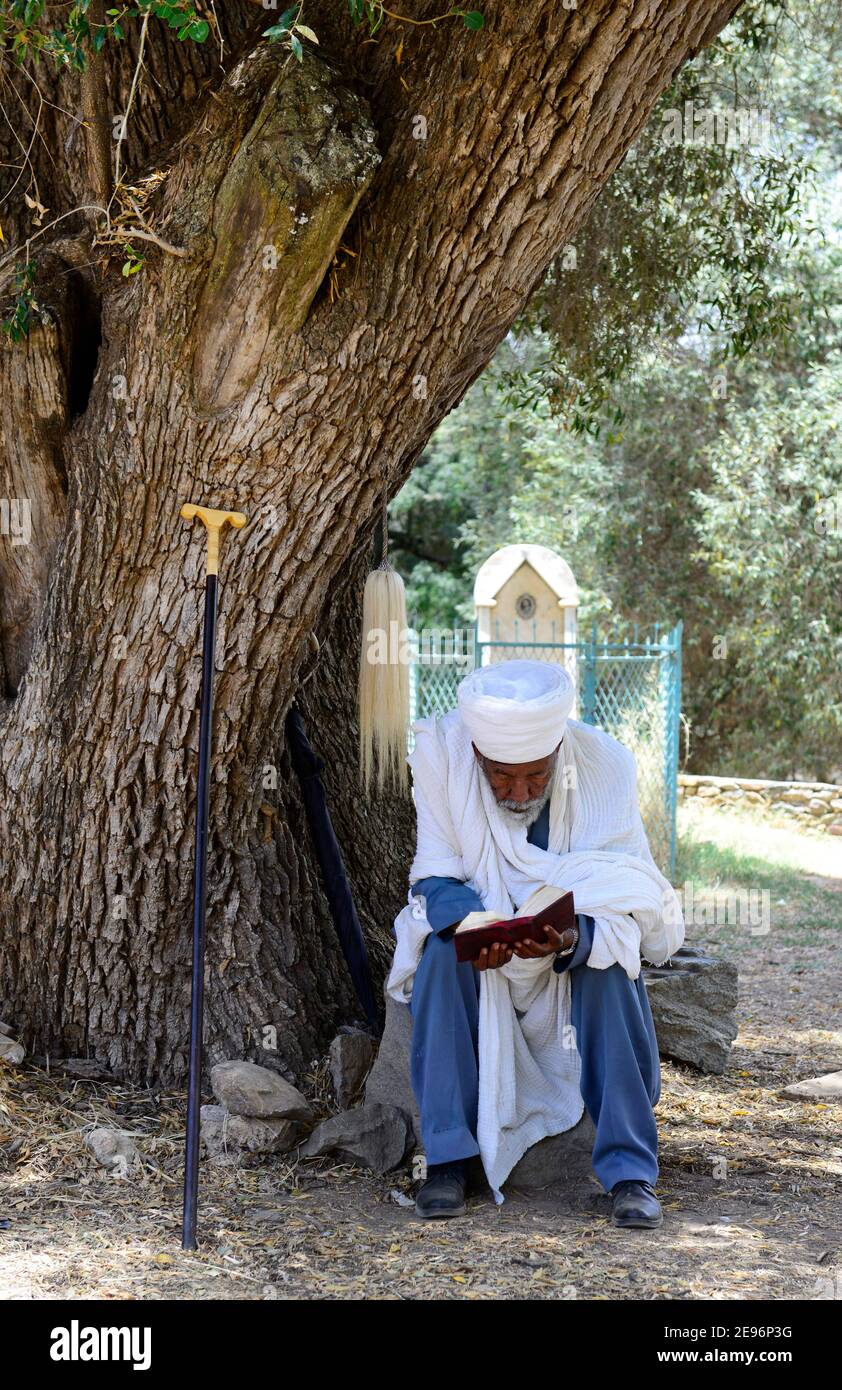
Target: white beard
[531, 809]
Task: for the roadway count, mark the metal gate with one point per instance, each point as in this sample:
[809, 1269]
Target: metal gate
[629, 685]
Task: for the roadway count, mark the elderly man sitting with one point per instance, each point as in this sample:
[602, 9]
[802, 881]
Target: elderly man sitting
[511, 794]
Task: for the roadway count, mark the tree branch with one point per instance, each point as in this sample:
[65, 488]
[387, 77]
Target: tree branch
[95, 112]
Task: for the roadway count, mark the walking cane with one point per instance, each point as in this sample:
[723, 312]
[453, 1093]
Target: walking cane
[214, 522]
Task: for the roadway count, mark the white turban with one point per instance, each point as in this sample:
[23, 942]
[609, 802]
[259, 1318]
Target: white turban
[516, 712]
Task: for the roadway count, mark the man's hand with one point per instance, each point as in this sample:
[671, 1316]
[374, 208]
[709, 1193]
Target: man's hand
[553, 941]
[491, 957]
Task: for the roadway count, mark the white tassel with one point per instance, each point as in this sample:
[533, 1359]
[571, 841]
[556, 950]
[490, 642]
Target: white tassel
[384, 679]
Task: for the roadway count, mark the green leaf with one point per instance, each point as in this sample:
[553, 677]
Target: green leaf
[295, 45]
[307, 32]
[281, 29]
[199, 32]
[99, 39]
[473, 19]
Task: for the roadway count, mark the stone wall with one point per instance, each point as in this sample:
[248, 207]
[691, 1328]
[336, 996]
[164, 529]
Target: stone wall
[814, 804]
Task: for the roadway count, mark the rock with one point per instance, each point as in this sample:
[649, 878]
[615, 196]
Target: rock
[389, 1081]
[836, 828]
[244, 1088]
[797, 797]
[375, 1136]
[826, 1088]
[816, 807]
[11, 1051]
[212, 1120]
[7, 1028]
[227, 1136]
[113, 1150]
[351, 1056]
[693, 1002]
[562, 1160]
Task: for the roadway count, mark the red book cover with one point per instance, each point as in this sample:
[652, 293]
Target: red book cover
[560, 914]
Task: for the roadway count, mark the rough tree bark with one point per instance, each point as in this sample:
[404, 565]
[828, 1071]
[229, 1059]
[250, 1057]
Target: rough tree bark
[270, 370]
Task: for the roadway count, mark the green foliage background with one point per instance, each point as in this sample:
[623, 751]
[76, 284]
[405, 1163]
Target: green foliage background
[667, 412]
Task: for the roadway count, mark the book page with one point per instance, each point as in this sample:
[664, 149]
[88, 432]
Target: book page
[541, 898]
[477, 919]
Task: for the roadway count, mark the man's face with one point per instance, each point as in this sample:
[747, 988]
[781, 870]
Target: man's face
[522, 789]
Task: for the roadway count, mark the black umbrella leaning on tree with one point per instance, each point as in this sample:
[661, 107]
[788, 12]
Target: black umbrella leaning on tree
[308, 767]
[214, 522]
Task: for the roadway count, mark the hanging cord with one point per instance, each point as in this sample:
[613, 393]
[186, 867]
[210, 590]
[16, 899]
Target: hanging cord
[385, 563]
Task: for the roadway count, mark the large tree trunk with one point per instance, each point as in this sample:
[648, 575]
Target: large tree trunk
[263, 371]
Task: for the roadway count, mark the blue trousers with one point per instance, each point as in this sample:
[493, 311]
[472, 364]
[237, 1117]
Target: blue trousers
[615, 1037]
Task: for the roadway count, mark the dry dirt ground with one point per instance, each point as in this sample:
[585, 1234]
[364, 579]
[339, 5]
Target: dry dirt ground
[751, 1183]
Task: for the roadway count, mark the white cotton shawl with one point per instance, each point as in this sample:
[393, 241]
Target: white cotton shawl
[529, 1066]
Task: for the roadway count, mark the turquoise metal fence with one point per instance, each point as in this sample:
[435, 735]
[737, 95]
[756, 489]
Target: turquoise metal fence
[628, 683]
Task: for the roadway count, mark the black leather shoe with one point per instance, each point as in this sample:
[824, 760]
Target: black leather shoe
[635, 1204]
[443, 1193]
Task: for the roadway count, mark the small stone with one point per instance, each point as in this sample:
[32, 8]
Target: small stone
[244, 1088]
[350, 1059]
[7, 1028]
[826, 1088]
[113, 1150]
[11, 1051]
[375, 1136]
[227, 1136]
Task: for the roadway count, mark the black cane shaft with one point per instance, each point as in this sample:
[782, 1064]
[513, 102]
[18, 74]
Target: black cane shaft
[191, 1157]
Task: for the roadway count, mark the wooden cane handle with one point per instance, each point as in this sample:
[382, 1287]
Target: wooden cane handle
[214, 521]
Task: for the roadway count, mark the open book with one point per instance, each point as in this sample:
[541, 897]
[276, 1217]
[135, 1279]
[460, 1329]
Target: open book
[547, 906]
